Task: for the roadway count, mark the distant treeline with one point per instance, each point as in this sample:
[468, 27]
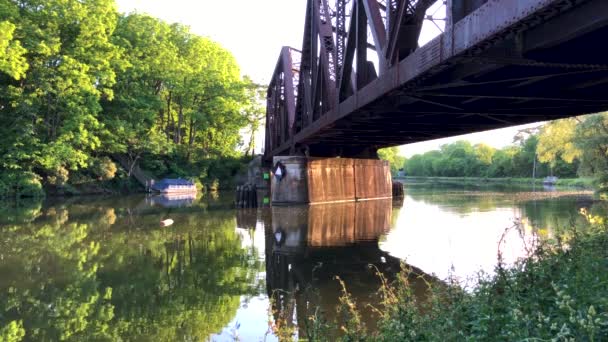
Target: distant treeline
[80, 82]
[565, 148]
[461, 159]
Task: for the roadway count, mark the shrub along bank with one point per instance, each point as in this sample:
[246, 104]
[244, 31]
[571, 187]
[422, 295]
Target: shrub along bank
[582, 183]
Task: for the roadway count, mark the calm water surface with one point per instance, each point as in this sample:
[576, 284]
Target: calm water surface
[104, 268]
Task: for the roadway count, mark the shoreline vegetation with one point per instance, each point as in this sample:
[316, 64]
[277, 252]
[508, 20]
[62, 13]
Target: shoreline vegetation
[572, 149]
[228, 170]
[562, 183]
[558, 293]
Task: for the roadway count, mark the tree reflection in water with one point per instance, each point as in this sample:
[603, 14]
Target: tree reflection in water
[106, 271]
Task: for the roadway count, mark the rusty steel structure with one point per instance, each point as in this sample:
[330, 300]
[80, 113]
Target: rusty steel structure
[362, 82]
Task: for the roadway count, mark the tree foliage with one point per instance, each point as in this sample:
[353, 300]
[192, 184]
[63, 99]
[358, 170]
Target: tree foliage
[461, 159]
[79, 82]
[583, 138]
[391, 154]
[50, 104]
[557, 141]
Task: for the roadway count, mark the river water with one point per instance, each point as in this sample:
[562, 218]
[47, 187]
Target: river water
[104, 268]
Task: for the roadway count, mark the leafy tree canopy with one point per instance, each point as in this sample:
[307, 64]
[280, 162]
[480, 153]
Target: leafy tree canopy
[80, 82]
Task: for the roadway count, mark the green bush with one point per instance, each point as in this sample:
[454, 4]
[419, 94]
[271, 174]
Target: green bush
[5, 189]
[104, 168]
[200, 187]
[213, 185]
[59, 176]
[12, 332]
[155, 165]
[21, 184]
[221, 172]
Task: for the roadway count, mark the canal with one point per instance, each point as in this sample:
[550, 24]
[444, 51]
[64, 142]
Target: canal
[105, 268]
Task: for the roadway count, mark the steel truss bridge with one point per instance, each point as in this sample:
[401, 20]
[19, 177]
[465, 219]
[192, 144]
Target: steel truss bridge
[362, 82]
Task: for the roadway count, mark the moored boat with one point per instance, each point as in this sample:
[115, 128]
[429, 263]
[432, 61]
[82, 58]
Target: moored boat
[172, 186]
[552, 180]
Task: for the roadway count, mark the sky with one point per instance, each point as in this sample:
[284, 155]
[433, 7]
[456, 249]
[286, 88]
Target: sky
[255, 30]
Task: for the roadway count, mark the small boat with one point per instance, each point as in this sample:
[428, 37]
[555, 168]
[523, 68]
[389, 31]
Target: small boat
[166, 223]
[551, 180]
[173, 186]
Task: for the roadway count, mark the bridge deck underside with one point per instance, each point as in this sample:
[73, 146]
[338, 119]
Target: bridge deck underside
[476, 95]
[551, 70]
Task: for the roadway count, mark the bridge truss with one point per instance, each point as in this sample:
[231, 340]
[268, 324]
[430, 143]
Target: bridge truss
[361, 81]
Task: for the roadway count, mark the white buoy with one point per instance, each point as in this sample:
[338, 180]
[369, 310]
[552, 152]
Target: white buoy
[166, 223]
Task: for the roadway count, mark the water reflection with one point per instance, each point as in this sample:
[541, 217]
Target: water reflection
[458, 232]
[177, 200]
[102, 268]
[308, 247]
[105, 270]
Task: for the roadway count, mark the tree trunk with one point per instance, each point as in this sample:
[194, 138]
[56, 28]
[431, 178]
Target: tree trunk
[161, 114]
[190, 137]
[132, 162]
[169, 116]
[180, 121]
[191, 132]
[251, 146]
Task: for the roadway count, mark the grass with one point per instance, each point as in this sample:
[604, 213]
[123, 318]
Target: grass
[558, 293]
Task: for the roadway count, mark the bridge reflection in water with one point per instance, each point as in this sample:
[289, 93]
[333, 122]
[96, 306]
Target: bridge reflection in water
[307, 247]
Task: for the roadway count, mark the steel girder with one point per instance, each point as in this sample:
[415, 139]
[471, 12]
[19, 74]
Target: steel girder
[498, 63]
[334, 59]
[281, 99]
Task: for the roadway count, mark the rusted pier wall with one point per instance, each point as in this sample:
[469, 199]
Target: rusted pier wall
[326, 180]
[329, 225]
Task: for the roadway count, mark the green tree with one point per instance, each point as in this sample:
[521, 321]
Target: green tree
[591, 138]
[51, 113]
[564, 143]
[79, 83]
[484, 153]
[12, 59]
[391, 154]
[458, 159]
[502, 162]
[179, 96]
[135, 116]
[415, 165]
[556, 141]
[254, 111]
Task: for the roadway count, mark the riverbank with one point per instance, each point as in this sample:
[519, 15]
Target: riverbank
[112, 178]
[581, 183]
[558, 293]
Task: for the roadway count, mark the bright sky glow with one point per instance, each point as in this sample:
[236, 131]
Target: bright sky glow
[442, 250]
[255, 31]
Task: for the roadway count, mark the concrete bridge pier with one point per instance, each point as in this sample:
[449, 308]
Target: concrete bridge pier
[301, 180]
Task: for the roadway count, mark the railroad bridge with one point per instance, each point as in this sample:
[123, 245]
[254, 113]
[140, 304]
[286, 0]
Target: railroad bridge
[361, 81]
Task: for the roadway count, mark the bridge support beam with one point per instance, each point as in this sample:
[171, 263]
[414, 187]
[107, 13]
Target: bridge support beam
[458, 9]
[299, 180]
